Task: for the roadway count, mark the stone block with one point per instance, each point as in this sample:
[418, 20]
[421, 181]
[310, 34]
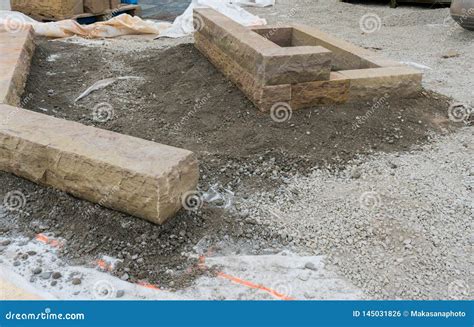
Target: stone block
[333, 91]
[17, 50]
[366, 84]
[139, 177]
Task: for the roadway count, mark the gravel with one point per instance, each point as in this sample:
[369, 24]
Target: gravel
[395, 235]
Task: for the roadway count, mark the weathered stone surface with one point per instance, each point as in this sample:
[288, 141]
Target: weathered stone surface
[270, 63]
[367, 84]
[333, 91]
[238, 42]
[345, 55]
[121, 172]
[16, 52]
[262, 96]
[296, 65]
[293, 64]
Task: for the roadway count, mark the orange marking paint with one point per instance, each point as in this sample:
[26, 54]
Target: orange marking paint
[104, 265]
[147, 285]
[254, 286]
[44, 239]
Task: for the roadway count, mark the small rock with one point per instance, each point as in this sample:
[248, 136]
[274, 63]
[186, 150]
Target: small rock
[125, 277]
[120, 293]
[310, 265]
[450, 54]
[54, 283]
[45, 275]
[76, 281]
[356, 173]
[5, 242]
[244, 214]
[308, 295]
[31, 253]
[16, 263]
[56, 275]
[37, 270]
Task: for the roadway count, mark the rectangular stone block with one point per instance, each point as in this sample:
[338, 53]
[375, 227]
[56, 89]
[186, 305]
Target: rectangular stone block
[333, 91]
[139, 177]
[261, 95]
[295, 65]
[366, 84]
[16, 52]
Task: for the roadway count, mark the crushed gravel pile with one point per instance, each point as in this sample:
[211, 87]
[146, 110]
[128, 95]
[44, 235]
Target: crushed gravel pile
[396, 225]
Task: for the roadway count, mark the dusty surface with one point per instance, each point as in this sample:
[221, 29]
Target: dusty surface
[296, 183]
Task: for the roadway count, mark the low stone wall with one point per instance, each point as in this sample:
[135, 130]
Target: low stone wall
[298, 65]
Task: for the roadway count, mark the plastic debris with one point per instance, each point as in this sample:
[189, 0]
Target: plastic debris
[102, 84]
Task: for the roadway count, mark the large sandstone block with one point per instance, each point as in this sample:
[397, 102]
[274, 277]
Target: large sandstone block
[125, 173]
[262, 96]
[366, 84]
[16, 52]
[333, 91]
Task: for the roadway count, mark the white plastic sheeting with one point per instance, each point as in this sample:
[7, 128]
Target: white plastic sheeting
[125, 24]
[183, 25]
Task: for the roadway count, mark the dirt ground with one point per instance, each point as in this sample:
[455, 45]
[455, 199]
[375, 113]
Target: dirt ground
[180, 99]
[238, 147]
